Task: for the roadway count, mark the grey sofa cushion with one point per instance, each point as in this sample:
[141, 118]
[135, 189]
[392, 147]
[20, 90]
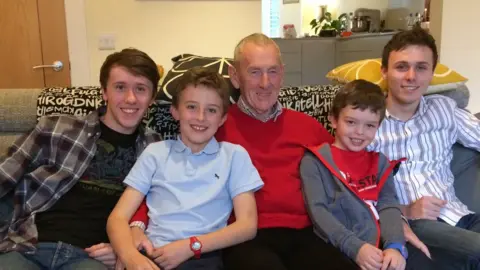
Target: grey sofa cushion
[465, 168]
[461, 95]
[18, 109]
[6, 140]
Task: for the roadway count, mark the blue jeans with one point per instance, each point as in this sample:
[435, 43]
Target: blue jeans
[50, 256]
[462, 240]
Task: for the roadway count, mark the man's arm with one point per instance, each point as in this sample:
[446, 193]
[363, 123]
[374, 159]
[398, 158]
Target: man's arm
[427, 207]
[20, 155]
[315, 197]
[468, 129]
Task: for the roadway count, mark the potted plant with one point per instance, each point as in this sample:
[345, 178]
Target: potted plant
[327, 26]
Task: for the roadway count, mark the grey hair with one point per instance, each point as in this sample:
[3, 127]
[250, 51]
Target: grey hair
[257, 39]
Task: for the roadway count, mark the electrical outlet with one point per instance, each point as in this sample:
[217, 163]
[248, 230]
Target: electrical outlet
[106, 42]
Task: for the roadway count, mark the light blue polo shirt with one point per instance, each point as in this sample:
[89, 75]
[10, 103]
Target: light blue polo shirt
[191, 194]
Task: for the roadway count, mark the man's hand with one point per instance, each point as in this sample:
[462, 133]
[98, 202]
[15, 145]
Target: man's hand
[104, 253]
[173, 254]
[136, 262]
[393, 260]
[369, 257]
[140, 240]
[427, 207]
[412, 238]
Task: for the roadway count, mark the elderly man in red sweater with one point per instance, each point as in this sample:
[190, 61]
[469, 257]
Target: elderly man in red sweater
[275, 138]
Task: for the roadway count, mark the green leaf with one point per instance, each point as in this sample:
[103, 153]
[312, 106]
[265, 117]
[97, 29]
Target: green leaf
[335, 24]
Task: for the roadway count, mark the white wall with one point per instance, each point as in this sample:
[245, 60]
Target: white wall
[77, 42]
[436, 11]
[291, 14]
[413, 5]
[163, 29]
[346, 6]
[460, 44]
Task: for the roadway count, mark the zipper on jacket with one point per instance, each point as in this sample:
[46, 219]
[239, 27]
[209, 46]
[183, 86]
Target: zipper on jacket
[344, 181]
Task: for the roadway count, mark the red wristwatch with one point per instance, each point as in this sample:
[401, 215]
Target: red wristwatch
[196, 247]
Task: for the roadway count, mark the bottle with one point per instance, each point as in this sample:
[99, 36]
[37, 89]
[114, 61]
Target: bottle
[418, 20]
[410, 22]
[349, 22]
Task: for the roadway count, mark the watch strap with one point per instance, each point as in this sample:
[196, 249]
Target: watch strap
[400, 247]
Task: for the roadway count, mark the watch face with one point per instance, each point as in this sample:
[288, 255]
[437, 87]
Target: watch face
[196, 245]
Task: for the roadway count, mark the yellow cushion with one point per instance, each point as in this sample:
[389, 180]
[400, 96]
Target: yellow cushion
[160, 70]
[444, 78]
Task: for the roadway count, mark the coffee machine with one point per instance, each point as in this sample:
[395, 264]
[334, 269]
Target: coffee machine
[366, 20]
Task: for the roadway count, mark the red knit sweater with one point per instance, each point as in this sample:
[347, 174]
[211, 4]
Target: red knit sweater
[276, 149]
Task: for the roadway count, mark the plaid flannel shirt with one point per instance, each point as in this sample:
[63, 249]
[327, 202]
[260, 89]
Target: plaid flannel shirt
[43, 165]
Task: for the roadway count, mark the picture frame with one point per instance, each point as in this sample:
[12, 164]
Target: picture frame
[290, 1]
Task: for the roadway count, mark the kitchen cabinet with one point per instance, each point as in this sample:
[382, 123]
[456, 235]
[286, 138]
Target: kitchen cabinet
[308, 60]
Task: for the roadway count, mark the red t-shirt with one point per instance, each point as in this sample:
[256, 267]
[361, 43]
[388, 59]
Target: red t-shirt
[360, 170]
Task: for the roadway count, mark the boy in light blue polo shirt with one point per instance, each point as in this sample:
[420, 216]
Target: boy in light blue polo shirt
[191, 186]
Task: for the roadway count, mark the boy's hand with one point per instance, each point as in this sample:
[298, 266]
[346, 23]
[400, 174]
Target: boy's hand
[137, 262]
[369, 257]
[393, 260]
[412, 238]
[140, 240]
[173, 254]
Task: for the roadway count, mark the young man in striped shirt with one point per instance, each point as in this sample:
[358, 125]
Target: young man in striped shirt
[423, 129]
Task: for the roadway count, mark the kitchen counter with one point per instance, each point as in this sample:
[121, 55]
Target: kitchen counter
[307, 60]
[353, 36]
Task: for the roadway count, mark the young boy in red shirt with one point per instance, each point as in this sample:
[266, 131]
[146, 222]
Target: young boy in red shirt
[350, 192]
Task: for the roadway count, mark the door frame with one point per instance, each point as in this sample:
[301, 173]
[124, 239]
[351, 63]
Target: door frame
[77, 43]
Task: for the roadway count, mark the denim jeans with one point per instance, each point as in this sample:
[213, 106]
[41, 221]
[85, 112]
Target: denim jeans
[462, 240]
[208, 261]
[50, 256]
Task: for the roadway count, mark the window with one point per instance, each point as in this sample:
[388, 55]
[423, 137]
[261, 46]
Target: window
[271, 18]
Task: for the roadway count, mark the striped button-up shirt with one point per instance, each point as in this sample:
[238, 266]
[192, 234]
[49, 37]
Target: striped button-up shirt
[45, 164]
[275, 112]
[426, 141]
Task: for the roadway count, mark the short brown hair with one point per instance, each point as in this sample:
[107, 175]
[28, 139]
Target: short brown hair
[206, 77]
[360, 94]
[135, 61]
[417, 36]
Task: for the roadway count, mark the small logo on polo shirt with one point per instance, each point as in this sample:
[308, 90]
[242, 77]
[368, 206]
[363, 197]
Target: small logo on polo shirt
[216, 176]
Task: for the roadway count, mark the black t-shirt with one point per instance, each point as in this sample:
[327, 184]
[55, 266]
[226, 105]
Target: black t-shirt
[80, 216]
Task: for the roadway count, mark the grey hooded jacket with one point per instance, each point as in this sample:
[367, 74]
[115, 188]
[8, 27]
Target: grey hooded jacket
[338, 215]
